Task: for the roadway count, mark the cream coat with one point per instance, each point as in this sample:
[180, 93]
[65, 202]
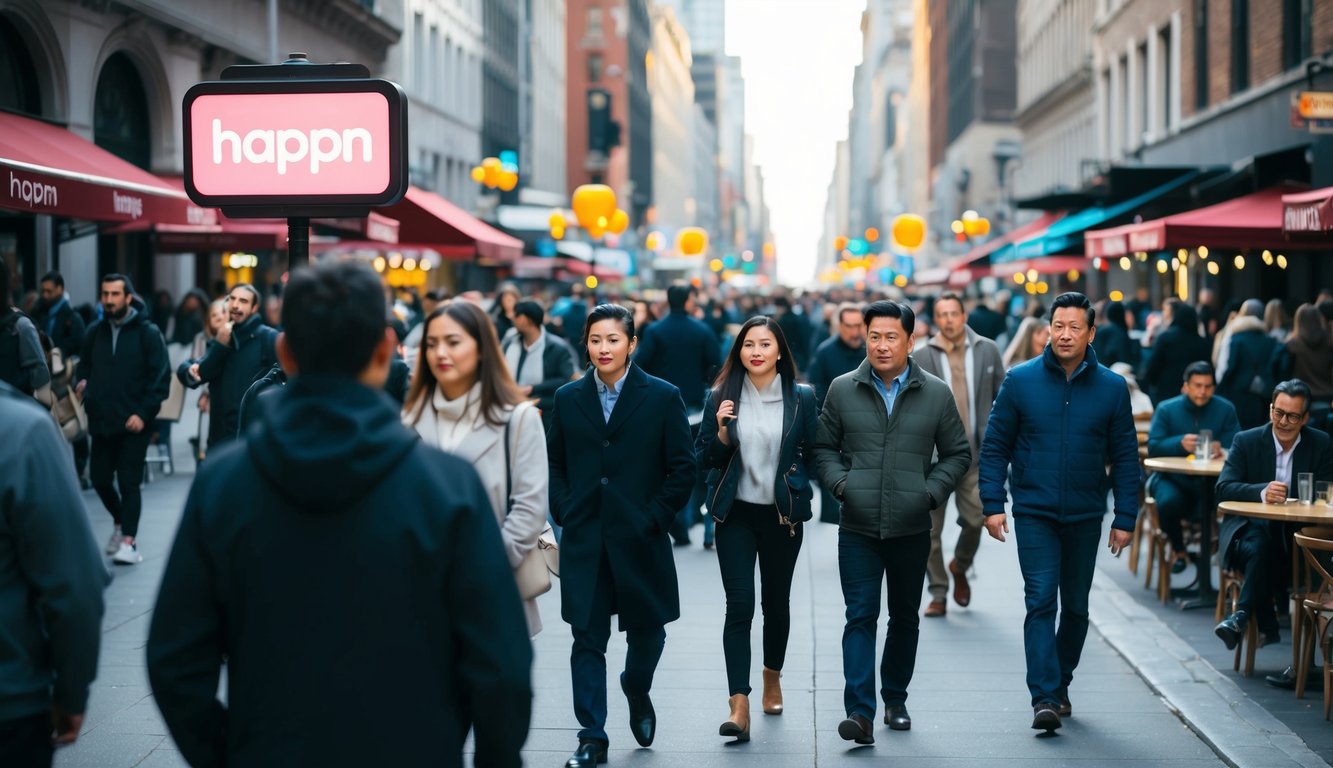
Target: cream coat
[483, 449]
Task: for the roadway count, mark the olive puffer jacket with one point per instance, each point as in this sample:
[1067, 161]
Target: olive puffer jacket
[884, 467]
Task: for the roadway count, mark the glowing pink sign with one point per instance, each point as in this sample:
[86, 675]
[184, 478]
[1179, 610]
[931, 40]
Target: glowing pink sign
[295, 144]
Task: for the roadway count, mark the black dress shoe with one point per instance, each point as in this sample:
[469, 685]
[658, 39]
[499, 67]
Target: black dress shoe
[897, 719]
[857, 728]
[1064, 708]
[1046, 717]
[642, 716]
[1287, 679]
[1232, 629]
[590, 753]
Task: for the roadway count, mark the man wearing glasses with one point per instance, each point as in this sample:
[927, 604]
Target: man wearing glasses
[1262, 466]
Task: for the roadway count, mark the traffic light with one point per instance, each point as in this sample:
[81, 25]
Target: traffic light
[603, 132]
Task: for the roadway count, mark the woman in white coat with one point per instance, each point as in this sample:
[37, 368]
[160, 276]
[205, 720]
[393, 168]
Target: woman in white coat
[463, 400]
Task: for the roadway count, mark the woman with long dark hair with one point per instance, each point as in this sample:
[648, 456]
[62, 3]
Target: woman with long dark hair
[1307, 355]
[463, 400]
[753, 442]
[1174, 349]
[622, 466]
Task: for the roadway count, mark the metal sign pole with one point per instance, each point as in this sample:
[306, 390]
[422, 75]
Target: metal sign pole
[298, 242]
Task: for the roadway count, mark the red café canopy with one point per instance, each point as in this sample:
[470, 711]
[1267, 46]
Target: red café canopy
[1308, 213]
[46, 169]
[976, 264]
[436, 223]
[1250, 221]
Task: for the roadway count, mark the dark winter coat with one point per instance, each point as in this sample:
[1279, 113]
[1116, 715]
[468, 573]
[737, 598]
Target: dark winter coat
[131, 381]
[63, 326]
[682, 351]
[616, 487]
[1246, 381]
[1174, 349]
[832, 359]
[1052, 437]
[354, 582]
[229, 370]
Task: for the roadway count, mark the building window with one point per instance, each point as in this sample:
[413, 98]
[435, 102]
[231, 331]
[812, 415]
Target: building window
[1240, 45]
[1296, 32]
[595, 22]
[1164, 85]
[1143, 78]
[419, 52]
[120, 112]
[594, 67]
[18, 79]
[1201, 54]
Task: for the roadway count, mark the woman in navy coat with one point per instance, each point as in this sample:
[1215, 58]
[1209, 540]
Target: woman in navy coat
[622, 466]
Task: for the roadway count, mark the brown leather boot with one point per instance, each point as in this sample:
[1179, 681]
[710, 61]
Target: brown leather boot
[772, 692]
[738, 723]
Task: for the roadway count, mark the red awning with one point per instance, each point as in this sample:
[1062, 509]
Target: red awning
[46, 169]
[975, 264]
[1045, 265]
[427, 218]
[1250, 221]
[1308, 213]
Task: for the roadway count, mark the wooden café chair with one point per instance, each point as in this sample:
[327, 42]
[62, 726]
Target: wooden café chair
[1315, 546]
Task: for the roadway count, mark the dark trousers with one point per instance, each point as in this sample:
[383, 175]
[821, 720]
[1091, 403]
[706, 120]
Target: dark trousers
[26, 742]
[752, 532]
[587, 659]
[120, 458]
[1176, 501]
[687, 517]
[863, 564]
[1057, 560]
[1256, 551]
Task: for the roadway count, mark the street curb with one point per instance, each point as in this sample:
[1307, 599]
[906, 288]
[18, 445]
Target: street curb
[1240, 731]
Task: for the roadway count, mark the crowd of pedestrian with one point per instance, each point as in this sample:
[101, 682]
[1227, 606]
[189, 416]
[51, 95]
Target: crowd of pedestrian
[457, 438]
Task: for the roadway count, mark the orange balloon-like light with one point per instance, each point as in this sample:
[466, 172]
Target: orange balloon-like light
[983, 227]
[558, 233]
[872, 235]
[839, 242]
[909, 231]
[478, 174]
[692, 241]
[508, 180]
[491, 171]
[591, 202]
[619, 220]
[557, 219]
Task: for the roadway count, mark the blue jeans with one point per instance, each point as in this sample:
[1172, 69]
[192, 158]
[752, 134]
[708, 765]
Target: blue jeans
[863, 564]
[1057, 560]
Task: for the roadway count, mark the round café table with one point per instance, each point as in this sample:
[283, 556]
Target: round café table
[1205, 597]
[1290, 512]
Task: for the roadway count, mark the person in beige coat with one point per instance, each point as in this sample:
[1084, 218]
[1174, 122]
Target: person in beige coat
[463, 400]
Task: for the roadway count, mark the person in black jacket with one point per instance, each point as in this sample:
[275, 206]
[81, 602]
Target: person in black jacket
[835, 356]
[1246, 380]
[1176, 347]
[1113, 343]
[242, 352]
[351, 577]
[622, 464]
[541, 362]
[56, 316]
[124, 374]
[755, 439]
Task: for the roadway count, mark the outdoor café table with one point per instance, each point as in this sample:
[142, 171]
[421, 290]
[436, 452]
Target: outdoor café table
[1290, 512]
[1182, 465]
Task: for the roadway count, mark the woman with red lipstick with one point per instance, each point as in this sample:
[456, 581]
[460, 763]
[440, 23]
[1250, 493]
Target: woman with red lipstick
[463, 400]
[757, 423]
[622, 466]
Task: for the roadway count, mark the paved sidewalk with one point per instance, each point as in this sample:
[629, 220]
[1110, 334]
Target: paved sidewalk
[969, 701]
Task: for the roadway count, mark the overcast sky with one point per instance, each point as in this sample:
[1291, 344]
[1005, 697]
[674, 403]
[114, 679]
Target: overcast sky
[797, 58]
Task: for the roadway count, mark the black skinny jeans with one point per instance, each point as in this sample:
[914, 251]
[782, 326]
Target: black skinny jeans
[751, 532]
[117, 463]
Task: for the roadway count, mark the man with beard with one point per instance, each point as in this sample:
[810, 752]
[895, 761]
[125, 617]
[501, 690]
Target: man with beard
[125, 377]
[241, 353]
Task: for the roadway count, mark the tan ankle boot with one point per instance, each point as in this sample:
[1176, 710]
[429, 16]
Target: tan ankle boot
[738, 723]
[772, 692]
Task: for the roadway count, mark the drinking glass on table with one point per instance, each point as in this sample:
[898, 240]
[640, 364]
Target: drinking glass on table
[1323, 492]
[1305, 487]
[1203, 449]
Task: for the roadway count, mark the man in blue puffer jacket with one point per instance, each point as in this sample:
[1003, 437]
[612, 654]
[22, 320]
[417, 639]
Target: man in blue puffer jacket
[1056, 424]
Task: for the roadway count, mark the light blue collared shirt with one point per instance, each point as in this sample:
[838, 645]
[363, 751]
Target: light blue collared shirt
[895, 388]
[609, 395]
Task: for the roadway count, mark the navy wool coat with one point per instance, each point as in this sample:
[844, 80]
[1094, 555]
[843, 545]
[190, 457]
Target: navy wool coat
[615, 488]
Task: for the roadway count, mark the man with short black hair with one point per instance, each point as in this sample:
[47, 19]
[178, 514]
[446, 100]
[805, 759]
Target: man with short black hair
[57, 318]
[1263, 466]
[1176, 426]
[835, 356]
[880, 433]
[1057, 422]
[541, 362]
[357, 572]
[242, 352]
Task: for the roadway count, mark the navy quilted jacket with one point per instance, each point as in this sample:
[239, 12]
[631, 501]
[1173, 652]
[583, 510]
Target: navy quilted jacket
[1054, 438]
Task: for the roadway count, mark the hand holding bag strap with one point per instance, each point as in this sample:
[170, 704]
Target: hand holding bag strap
[532, 575]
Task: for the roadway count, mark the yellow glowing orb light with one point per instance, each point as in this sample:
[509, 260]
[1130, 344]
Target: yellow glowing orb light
[424, 264]
[1175, 263]
[478, 174]
[557, 233]
[618, 222]
[590, 281]
[491, 171]
[1281, 261]
[1125, 263]
[1183, 254]
[908, 231]
[379, 263]
[1203, 251]
[508, 180]
[1042, 287]
[1032, 275]
[1116, 296]
[1031, 288]
[409, 264]
[1161, 266]
[872, 235]
[1073, 275]
[592, 202]
[1213, 269]
[1020, 278]
[1240, 261]
[770, 250]
[395, 260]
[654, 241]
[900, 281]
[692, 241]
[715, 265]
[1268, 258]
[840, 243]
[557, 219]
[958, 227]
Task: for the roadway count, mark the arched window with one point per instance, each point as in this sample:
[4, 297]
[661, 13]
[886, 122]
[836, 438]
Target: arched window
[18, 78]
[120, 112]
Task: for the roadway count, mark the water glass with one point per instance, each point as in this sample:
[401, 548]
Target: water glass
[1323, 492]
[1305, 487]
[1204, 448]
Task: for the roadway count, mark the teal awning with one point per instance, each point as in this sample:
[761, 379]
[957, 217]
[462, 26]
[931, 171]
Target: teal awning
[1067, 233]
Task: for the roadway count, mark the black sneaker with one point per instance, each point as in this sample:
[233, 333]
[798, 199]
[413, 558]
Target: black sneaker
[1045, 717]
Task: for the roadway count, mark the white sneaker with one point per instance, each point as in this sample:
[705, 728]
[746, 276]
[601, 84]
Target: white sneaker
[127, 554]
[113, 546]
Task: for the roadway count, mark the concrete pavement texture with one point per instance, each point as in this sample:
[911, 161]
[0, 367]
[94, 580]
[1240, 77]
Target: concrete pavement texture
[968, 700]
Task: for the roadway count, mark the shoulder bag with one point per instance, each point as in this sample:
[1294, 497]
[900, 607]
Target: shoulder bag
[533, 575]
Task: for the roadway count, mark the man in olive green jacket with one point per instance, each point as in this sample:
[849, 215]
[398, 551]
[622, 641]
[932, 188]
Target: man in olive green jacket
[879, 434]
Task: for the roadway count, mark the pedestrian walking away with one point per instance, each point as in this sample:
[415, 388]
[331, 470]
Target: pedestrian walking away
[124, 377]
[350, 576]
[756, 443]
[540, 362]
[51, 582]
[835, 356]
[1058, 420]
[462, 400]
[621, 465]
[970, 364]
[880, 431]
